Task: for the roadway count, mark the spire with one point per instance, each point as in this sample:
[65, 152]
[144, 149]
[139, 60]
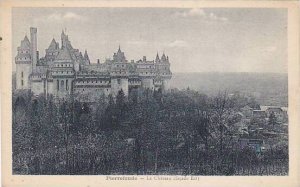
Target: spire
[119, 50]
[163, 57]
[26, 38]
[86, 57]
[157, 58]
[25, 43]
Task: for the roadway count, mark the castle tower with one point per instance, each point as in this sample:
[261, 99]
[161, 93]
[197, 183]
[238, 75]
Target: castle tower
[33, 39]
[52, 51]
[86, 57]
[119, 73]
[163, 71]
[23, 62]
[63, 73]
[157, 60]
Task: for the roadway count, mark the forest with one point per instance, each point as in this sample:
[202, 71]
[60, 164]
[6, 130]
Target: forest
[181, 132]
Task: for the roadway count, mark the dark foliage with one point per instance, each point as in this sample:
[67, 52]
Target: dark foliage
[148, 132]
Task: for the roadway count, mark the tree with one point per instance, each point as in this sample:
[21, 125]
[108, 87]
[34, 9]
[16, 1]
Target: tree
[272, 119]
[120, 104]
[221, 108]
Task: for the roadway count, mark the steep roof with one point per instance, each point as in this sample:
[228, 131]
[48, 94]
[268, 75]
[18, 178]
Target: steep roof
[163, 57]
[53, 45]
[157, 58]
[25, 43]
[64, 55]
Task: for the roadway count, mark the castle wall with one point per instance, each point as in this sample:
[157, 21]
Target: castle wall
[91, 94]
[61, 87]
[37, 87]
[56, 71]
[117, 84]
[166, 85]
[50, 87]
[148, 83]
[22, 76]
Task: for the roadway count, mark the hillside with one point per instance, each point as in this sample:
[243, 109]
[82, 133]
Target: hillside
[267, 88]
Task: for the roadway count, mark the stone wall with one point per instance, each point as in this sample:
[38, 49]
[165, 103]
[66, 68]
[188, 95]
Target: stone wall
[22, 73]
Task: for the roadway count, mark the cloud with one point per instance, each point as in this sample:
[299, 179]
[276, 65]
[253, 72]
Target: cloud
[197, 12]
[71, 15]
[178, 43]
[57, 17]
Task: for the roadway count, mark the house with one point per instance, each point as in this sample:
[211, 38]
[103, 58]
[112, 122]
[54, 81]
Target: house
[281, 113]
[256, 144]
[247, 111]
[259, 114]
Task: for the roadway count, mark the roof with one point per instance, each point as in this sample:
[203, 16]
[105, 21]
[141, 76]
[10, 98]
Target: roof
[53, 45]
[25, 43]
[265, 108]
[64, 55]
[258, 111]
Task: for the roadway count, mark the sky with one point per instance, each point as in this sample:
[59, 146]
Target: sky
[196, 40]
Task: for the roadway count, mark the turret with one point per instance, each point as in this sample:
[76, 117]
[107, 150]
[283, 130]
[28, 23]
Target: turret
[23, 62]
[163, 58]
[119, 56]
[157, 60]
[52, 50]
[86, 57]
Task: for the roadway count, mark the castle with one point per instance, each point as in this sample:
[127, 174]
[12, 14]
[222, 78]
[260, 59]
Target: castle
[64, 71]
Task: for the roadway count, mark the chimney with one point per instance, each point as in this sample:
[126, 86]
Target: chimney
[144, 58]
[98, 61]
[33, 47]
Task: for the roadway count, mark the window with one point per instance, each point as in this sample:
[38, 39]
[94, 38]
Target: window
[119, 81]
[22, 82]
[62, 84]
[67, 85]
[57, 85]
[22, 74]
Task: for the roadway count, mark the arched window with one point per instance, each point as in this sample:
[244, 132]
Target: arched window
[57, 85]
[62, 84]
[67, 85]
